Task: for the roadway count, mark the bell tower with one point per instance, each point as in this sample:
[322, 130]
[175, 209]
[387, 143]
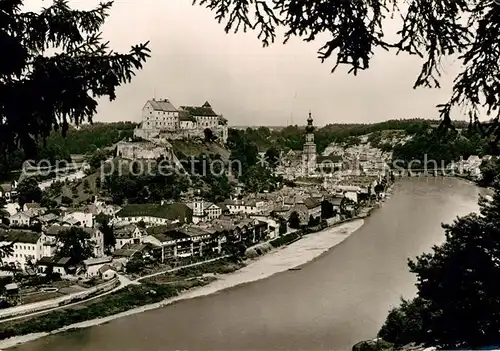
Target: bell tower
[309, 151]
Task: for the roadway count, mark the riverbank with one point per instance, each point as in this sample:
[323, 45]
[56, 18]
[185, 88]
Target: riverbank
[279, 260]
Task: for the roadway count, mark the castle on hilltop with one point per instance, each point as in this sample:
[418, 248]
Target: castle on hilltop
[162, 120]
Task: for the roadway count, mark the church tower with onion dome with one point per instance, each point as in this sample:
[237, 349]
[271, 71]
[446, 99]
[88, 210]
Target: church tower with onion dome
[309, 152]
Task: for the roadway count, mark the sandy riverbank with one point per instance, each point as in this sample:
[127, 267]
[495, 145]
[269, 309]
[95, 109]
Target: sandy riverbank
[280, 260]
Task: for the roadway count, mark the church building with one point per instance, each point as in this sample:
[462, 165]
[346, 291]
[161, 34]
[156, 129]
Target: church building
[300, 163]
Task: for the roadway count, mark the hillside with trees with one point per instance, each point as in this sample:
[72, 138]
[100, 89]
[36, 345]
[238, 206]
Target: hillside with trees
[293, 136]
[90, 137]
[458, 300]
[83, 140]
[441, 146]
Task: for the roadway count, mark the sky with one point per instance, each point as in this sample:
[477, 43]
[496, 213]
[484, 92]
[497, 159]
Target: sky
[193, 60]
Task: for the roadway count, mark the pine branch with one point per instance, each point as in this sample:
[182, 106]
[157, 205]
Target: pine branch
[39, 92]
[431, 29]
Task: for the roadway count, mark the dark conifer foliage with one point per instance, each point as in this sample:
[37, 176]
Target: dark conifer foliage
[458, 302]
[53, 67]
[431, 29]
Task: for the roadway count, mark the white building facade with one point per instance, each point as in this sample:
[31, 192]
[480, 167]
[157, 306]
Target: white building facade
[205, 211]
[161, 119]
[28, 247]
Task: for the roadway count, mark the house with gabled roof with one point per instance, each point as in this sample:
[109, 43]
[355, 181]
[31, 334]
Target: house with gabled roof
[336, 202]
[127, 252]
[128, 233]
[93, 265]
[48, 219]
[26, 245]
[309, 207]
[79, 218]
[64, 265]
[52, 232]
[35, 208]
[107, 272]
[60, 265]
[22, 218]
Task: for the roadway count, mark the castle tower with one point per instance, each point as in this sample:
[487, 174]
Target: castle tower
[309, 151]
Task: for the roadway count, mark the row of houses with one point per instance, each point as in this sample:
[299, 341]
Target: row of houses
[29, 247]
[31, 213]
[33, 233]
[189, 240]
[171, 229]
[177, 229]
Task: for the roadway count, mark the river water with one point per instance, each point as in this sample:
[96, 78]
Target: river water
[331, 303]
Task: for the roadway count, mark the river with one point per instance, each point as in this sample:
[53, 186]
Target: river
[331, 303]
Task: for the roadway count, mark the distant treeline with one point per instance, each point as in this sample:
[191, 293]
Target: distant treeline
[89, 138]
[293, 136]
[83, 140]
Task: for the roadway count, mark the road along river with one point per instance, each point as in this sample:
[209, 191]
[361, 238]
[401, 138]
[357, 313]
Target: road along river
[331, 303]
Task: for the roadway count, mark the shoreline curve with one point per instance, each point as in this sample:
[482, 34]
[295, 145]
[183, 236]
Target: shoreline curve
[299, 253]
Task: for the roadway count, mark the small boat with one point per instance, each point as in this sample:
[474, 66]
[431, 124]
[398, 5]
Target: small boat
[294, 269]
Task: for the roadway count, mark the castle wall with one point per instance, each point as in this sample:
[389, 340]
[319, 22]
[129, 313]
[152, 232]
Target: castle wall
[220, 132]
[146, 133]
[183, 134]
[142, 151]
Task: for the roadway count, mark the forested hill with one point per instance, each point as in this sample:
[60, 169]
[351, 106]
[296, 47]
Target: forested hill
[293, 136]
[90, 137]
[83, 140]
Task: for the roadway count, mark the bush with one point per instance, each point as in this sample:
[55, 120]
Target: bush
[404, 323]
[313, 221]
[294, 220]
[4, 281]
[66, 201]
[373, 345]
[284, 240]
[283, 227]
[135, 265]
